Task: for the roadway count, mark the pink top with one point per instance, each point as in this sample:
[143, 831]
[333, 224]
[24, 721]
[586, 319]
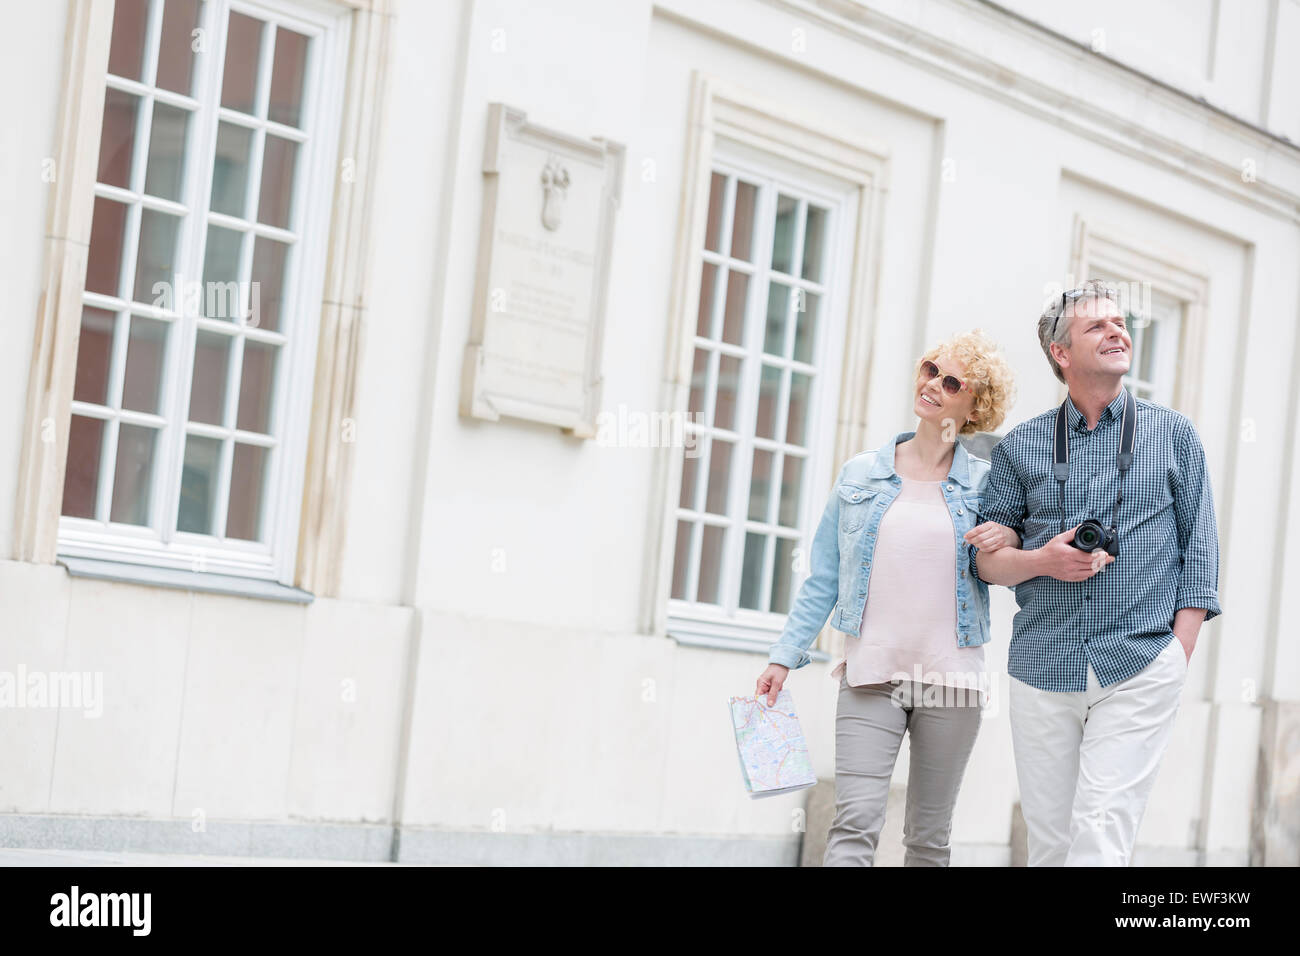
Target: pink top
[909, 623]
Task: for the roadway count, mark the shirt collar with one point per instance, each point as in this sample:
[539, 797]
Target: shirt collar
[1112, 412]
[884, 463]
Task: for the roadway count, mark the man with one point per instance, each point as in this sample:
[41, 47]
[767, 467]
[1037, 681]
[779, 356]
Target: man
[1101, 643]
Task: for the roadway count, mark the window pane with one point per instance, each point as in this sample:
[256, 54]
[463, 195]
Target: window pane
[222, 296]
[176, 52]
[266, 296]
[166, 152]
[274, 203]
[778, 306]
[708, 292]
[805, 329]
[198, 484]
[94, 356]
[787, 207]
[733, 317]
[782, 575]
[288, 70]
[710, 565]
[142, 384]
[797, 423]
[681, 557]
[155, 258]
[690, 477]
[724, 408]
[239, 80]
[256, 387]
[791, 487]
[126, 50]
[104, 258]
[713, 229]
[230, 169]
[208, 388]
[81, 476]
[699, 383]
[1136, 331]
[1147, 352]
[760, 485]
[742, 226]
[133, 474]
[117, 138]
[719, 477]
[769, 391]
[814, 238]
[751, 574]
[247, 484]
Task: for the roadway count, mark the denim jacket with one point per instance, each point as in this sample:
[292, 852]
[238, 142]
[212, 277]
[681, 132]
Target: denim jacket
[845, 541]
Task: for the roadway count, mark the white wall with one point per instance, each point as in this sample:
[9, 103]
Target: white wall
[508, 558]
[27, 144]
[1236, 54]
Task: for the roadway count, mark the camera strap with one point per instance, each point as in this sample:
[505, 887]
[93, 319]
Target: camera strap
[1123, 457]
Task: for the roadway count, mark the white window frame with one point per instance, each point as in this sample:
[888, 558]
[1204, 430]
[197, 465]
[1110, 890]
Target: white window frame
[1165, 315]
[160, 544]
[1111, 252]
[775, 177]
[734, 126]
[310, 552]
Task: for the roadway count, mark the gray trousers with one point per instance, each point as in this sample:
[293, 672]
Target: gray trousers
[869, 725]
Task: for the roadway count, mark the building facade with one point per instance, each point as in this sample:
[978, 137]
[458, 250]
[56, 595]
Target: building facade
[312, 607]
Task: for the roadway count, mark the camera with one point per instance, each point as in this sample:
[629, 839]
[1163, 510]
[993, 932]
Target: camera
[1091, 535]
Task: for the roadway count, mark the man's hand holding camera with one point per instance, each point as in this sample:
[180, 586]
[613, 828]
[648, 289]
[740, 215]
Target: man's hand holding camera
[1060, 558]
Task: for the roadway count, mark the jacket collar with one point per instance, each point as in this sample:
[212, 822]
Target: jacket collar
[883, 466]
[1112, 412]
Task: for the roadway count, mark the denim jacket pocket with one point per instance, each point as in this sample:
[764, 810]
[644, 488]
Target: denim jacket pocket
[855, 505]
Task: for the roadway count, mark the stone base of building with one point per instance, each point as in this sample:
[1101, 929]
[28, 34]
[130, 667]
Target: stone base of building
[382, 843]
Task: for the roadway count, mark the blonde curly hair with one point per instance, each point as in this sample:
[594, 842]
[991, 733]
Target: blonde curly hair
[987, 373]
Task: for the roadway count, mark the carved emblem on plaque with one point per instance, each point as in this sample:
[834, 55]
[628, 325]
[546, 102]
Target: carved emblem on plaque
[555, 180]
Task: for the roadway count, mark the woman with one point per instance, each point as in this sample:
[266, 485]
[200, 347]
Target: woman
[890, 557]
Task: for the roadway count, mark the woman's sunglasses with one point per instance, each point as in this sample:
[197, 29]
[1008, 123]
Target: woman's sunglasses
[951, 383]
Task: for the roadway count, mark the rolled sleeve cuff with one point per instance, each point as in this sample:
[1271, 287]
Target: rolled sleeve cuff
[1206, 600]
[787, 655]
[974, 566]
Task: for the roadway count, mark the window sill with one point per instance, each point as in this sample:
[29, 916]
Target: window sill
[752, 645]
[183, 580]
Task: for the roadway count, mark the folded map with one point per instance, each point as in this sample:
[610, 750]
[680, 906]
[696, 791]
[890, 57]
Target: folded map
[773, 753]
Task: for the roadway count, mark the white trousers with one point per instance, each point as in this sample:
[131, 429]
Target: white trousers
[1087, 760]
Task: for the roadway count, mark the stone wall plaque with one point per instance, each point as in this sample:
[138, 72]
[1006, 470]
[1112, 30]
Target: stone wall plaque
[543, 273]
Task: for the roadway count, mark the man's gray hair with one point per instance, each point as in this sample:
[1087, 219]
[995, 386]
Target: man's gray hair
[1051, 327]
